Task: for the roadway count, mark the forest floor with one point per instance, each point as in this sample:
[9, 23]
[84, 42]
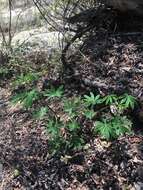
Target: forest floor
[117, 165]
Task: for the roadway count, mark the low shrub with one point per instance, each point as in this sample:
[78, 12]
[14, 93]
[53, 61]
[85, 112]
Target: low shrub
[107, 116]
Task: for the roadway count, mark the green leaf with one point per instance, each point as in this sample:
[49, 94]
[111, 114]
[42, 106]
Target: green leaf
[122, 125]
[18, 98]
[76, 142]
[92, 100]
[113, 128]
[72, 106]
[89, 114]
[53, 128]
[30, 97]
[26, 79]
[4, 72]
[73, 126]
[104, 129]
[52, 93]
[40, 114]
[26, 98]
[110, 99]
[128, 101]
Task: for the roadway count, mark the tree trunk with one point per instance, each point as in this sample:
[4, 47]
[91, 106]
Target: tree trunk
[136, 6]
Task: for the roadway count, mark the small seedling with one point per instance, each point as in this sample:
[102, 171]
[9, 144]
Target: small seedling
[54, 93]
[26, 98]
[92, 99]
[72, 106]
[128, 101]
[41, 113]
[113, 128]
[110, 99]
[26, 79]
[73, 126]
[89, 114]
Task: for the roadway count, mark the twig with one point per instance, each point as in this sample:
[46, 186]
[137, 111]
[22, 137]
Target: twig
[126, 34]
[10, 24]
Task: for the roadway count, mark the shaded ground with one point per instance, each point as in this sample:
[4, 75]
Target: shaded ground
[111, 55]
[27, 164]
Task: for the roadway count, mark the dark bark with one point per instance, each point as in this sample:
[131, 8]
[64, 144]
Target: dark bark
[134, 6]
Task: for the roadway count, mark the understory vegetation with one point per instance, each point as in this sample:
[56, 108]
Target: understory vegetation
[105, 116]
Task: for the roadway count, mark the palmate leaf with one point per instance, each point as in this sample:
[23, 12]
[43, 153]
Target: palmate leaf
[4, 71]
[53, 128]
[72, 106]
[92, 99]
[41, 113]
[18, 98]
[110, 99]
[53, 92]
[89, 114]
[128, 101]
[73, 126]
[26, 98]
[26, 79]
[76, 142]
[115, 127]
[104, 129]
[30, 97]
[69, 106]
[122, 125]
[122, 130]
